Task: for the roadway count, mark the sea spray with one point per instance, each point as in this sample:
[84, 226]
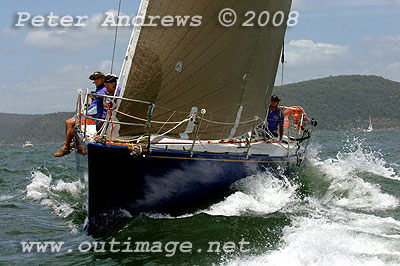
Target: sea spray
[327, 227]
[262, 193]
[60, 196]
[347, 188]
[365, 158]
[330, 241]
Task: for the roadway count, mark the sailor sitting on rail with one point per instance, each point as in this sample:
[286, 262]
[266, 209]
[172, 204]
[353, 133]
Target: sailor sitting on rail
[274, 119]
[98, 80]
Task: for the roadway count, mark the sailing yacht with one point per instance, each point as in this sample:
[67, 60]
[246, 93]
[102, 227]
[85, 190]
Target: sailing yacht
[369, 129]
[187, 123]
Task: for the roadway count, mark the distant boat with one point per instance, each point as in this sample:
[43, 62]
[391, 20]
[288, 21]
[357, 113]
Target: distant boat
[28, 143]
[369, 129]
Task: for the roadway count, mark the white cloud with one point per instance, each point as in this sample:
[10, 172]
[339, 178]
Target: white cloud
[72, 39]
[384, 47]
[381, 55]
[307, 59]
[307, 52]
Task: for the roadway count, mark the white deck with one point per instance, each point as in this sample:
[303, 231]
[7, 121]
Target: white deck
[256, 148]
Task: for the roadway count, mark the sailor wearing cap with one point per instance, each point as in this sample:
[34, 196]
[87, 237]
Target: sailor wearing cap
[98, 79]
[275, 118]
[97, 75]
[110, 82]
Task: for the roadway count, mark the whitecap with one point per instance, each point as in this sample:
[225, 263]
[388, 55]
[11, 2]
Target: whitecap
[42, 189]
[73, 188]
[39, 187]
[332, 233]
[332, 236]
[259, 194]
[364, 158]
[5, 197]
[262, 193]
[347, 188]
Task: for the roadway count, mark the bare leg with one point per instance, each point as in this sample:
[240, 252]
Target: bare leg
[69, 133]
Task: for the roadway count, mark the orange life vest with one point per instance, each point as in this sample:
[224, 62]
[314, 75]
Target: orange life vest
[297, 113]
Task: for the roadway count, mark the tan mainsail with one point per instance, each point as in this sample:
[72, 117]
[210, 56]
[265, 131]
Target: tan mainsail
[229, 71]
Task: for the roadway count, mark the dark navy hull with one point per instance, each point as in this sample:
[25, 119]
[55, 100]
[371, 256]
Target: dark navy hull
[162, 181]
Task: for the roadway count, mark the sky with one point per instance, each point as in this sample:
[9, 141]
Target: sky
[43, 67]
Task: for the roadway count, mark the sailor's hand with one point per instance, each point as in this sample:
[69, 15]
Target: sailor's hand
[94, 97]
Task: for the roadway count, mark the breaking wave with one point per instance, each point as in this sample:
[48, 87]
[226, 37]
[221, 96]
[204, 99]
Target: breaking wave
[60, 196]
[262, 193]
[258, 194]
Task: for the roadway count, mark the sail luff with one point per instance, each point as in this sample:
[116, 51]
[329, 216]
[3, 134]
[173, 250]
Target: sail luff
[132, 45]
[127, 64]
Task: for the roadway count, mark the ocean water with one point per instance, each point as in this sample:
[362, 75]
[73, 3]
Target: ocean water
[342, 208]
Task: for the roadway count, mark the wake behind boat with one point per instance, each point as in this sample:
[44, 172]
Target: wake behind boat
[189, 121]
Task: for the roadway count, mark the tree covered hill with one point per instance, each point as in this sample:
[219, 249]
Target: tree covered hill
[47, 128]
[346, 102]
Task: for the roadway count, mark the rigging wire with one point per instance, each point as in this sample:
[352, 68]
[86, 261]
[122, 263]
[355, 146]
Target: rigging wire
[115, 37]
[283, 65]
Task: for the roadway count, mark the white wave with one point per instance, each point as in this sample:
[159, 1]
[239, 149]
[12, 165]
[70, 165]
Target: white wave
[356, 156]
[39, 187]
[5, 197]
[313, 152]
[73, 188]
[166, 216]
[61, 209]
[262, 193]
[348, 189]
[74, 228]
[42, 189]
[359, 194]
[332, 236]
[331, 233]
[367, 160]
